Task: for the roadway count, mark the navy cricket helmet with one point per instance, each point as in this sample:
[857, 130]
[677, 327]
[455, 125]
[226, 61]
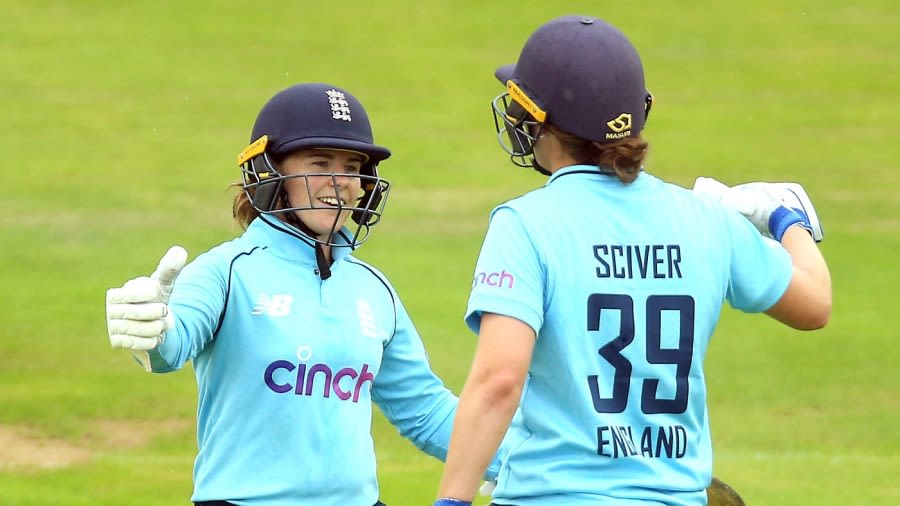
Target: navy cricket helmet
[579, 73]
[313, 116]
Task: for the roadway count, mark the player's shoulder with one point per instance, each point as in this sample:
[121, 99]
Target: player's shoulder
[524, 203]
[665, 185]
[364, 266]
[687, 198]
[368, 273]
[223, 255]
[706, 214]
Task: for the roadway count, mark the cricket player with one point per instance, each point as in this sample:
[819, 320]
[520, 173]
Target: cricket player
[595, 296]
[291, 337]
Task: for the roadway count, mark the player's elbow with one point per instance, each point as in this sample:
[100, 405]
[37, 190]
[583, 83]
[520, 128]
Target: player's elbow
[501, 388]
[806, 304]
[808, 314]
[818, 310]
[809, 323]
[817, 317]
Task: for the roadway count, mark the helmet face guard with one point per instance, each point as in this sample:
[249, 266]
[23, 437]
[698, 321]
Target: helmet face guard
[518, 120]
[517, 126]
[265, 189]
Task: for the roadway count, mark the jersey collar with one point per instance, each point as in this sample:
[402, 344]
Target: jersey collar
[287, 241]
[586, 170]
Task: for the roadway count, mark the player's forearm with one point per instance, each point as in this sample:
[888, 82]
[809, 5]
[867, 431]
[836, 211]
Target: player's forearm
[483, 416]
[807, 257]
[806, 305]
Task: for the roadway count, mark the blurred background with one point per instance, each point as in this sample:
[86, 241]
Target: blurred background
[122, 121]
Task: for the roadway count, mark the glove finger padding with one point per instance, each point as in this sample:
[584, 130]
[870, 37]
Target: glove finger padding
[138, 328]
[135, 343]
[146, 311]
[137, 313]
[137, 290]
[138, 335]
[134, 320]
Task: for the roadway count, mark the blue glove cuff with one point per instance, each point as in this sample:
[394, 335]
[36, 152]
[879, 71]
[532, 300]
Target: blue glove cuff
[783, 218]
[446, 501]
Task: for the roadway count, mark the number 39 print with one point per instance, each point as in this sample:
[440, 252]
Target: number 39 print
[681, 357]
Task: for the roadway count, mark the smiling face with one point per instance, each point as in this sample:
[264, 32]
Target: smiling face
[326, 183]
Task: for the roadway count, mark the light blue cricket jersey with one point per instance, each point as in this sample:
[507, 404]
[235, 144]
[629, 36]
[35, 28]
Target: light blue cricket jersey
[287, 367]
[623, 285]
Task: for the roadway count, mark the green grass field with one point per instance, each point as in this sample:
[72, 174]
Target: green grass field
[122, 122]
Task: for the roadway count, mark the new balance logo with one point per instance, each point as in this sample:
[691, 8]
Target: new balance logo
[272, 305]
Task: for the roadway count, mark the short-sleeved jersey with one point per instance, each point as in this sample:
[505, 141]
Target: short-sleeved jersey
[623, 286]
[287, 368]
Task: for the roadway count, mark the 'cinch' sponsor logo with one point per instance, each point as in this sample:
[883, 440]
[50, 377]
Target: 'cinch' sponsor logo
[500, 279]
[346, 383]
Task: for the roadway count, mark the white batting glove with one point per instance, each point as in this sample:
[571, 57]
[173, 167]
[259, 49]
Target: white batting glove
[794, 197]
[487, 488]
[137, 313]
[771, 207]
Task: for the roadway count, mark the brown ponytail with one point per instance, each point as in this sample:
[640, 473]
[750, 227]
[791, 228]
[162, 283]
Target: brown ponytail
[624, 157]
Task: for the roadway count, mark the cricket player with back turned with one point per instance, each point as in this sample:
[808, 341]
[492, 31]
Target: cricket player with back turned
[595, 296]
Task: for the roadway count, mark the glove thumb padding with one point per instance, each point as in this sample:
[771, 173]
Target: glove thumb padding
[168, 268]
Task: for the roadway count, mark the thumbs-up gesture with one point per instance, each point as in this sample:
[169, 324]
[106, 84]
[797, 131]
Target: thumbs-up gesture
[137, 313]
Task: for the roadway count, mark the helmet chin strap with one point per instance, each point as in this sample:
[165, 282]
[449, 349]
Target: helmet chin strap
[534, 163]
[538, 167]
[323, 265]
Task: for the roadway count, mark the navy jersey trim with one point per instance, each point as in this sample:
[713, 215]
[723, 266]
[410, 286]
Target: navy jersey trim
[591, 172]
[290, 232]
[228, 285]
[386, 287]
